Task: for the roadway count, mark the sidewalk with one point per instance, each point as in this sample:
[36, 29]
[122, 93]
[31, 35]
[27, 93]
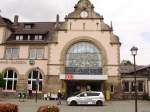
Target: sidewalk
[111, 106]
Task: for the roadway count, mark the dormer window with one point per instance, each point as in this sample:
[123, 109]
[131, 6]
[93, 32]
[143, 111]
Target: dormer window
[38, 37]
[28, 26]
[19, 37]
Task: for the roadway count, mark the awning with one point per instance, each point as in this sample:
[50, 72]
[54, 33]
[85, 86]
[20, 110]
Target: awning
[84, 77]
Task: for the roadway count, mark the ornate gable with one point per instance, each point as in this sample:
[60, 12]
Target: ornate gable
[84, 9]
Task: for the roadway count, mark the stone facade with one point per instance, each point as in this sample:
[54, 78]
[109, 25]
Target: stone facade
[82, 25]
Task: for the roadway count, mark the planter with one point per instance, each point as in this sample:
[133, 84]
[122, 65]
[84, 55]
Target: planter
[48, 109]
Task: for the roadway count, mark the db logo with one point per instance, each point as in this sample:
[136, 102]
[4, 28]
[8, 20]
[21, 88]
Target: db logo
[69, 77]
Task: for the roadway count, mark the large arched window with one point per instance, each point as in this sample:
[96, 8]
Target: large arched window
[32, 80]
[10, 78]
[83, 58]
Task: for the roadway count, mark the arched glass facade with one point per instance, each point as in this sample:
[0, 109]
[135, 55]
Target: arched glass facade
[83, 58]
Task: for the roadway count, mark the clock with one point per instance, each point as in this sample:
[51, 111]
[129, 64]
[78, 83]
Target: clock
[84, 14]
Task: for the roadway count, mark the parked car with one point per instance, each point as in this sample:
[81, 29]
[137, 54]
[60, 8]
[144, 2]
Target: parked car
[87, 98]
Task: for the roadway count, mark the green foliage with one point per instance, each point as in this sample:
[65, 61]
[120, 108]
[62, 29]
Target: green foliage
[2, 82]
[126, 62]
[146, 97]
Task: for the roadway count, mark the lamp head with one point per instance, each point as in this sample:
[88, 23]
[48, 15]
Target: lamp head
[134, 50]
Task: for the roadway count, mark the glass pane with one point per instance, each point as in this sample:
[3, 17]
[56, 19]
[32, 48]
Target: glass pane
[40, 76]
[83, 55]
[40, 86]
[15, 82]
[5, 74]
[29, 76]
[8, 53]
[35, 74]
[5, 84]
[32, 54]
[15, 53]
[10, 74]
[132, 86]
[140, 86]
[9, 84]
[34, 85]
[126, 86]
[15, 75]
[29, 82]
[39, 53]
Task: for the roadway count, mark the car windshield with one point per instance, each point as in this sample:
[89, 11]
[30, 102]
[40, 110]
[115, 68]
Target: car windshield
[76, 93]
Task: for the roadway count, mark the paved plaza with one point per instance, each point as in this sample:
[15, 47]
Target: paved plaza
[111, 106]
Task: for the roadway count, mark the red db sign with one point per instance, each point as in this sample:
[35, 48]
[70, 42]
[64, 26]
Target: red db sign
[69, 77]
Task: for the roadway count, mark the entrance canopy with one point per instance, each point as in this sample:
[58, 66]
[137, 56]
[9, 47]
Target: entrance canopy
[84, 77]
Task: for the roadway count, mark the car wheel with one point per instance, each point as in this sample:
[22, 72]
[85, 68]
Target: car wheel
[73, 103]
[100, 103]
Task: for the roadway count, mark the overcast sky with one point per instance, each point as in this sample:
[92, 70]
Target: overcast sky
[131, 19]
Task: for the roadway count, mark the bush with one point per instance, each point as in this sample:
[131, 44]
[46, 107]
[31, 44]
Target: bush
[8, 107]
[48, 109]
[146, 97]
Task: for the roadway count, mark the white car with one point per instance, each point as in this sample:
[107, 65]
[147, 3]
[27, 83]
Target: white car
[87, 98]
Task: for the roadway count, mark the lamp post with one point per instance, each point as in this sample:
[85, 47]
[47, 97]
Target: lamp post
[37, 82]
[134, 53]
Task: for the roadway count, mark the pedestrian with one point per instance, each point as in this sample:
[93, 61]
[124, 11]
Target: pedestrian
[30, 91]
[59, 95]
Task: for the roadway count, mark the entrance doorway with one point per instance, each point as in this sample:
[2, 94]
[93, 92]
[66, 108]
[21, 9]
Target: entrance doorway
[74, 87]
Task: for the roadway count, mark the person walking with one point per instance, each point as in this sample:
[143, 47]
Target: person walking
[59, 95]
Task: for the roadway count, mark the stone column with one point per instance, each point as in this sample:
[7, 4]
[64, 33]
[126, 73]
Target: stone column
[22, 83]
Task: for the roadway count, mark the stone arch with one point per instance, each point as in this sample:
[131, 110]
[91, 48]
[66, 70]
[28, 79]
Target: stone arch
[34, 68]
[84, 39]
[11, 68]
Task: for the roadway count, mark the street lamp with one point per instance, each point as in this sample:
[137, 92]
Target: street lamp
[37, 82]
[134, 53]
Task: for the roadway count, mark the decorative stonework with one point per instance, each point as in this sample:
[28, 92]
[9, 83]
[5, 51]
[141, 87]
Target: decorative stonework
[84, 7]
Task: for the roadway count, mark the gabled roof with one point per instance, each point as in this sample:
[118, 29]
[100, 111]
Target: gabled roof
[45, 28]
[5, 22]
[127, 69]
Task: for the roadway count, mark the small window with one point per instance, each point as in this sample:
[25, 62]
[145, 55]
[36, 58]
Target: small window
[12, 53]
[126, 86]
[140, 86]
[36, 53]
[28, 26]
[38, 37]
[19, 37]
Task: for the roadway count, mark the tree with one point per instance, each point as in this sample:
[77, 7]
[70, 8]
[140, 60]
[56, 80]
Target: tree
[126, 62]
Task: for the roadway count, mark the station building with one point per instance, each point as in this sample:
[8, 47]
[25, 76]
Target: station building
[77, 54]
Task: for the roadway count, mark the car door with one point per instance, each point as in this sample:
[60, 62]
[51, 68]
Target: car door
[82, 98]
[90, 97]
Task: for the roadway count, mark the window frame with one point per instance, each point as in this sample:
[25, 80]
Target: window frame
[31, 79]
[11, 53]
[36, 53]
[13, 79]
